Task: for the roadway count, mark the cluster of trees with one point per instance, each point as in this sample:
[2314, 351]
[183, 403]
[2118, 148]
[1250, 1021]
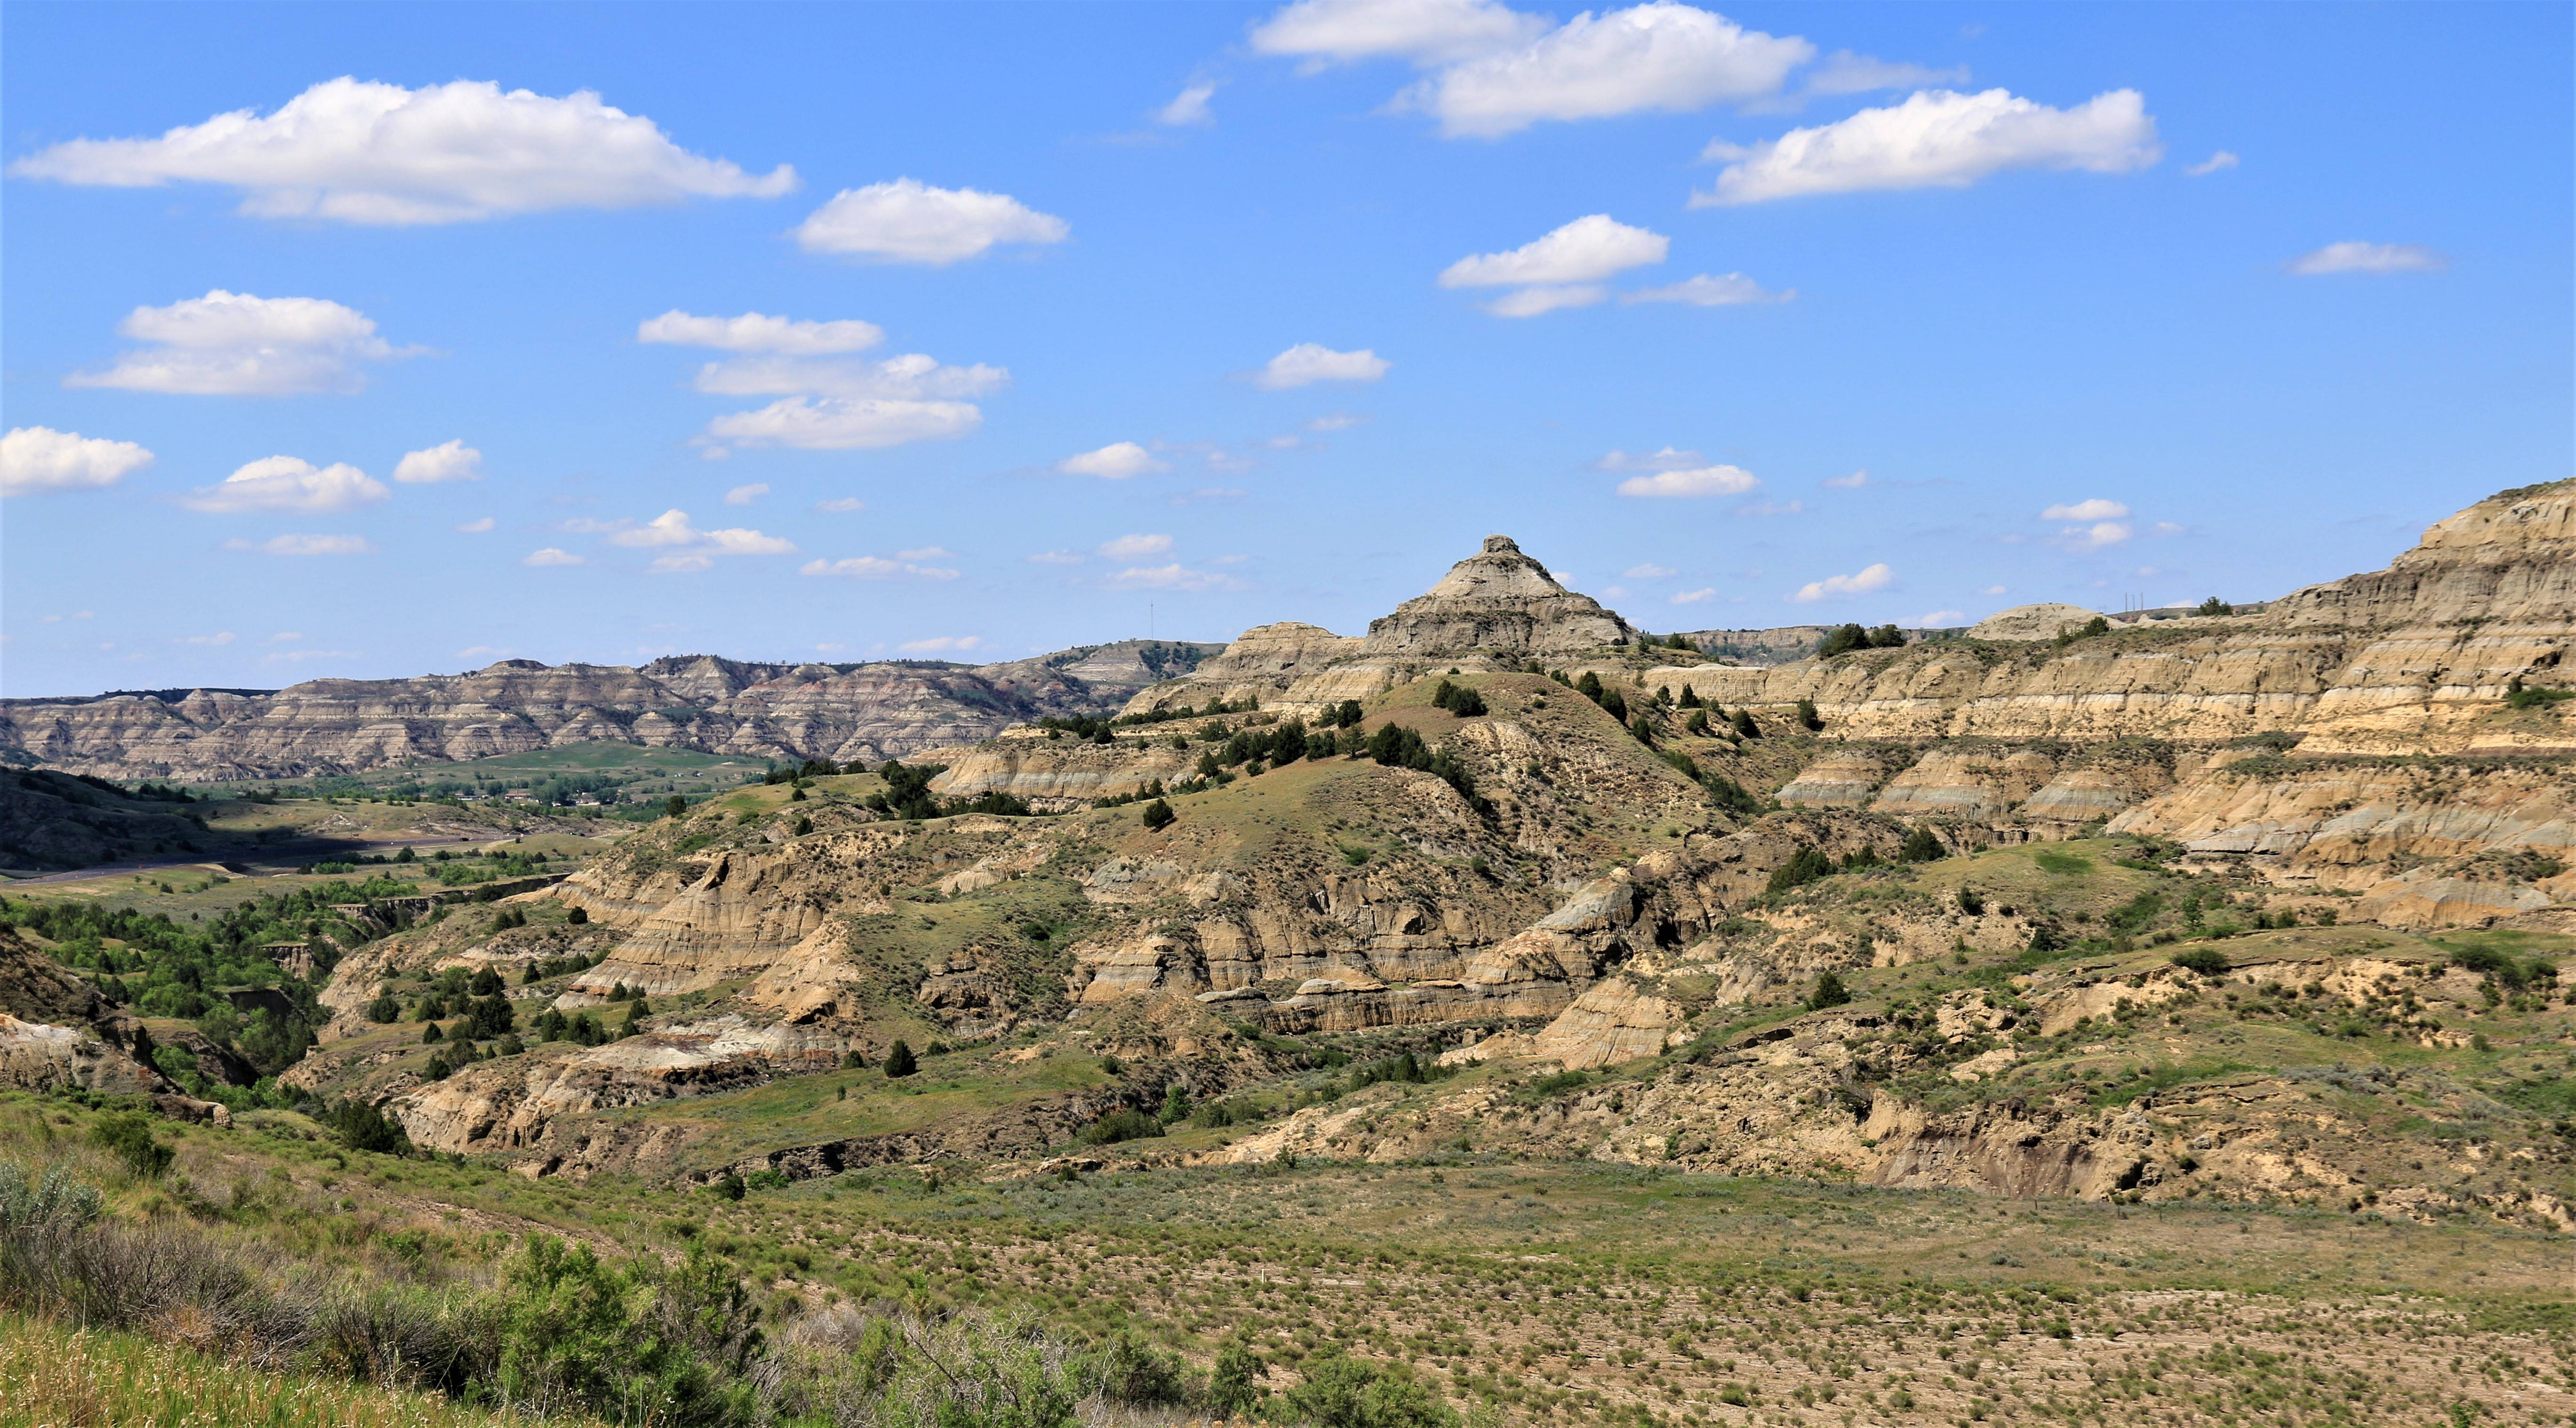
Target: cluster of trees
[1458, 699]
[1843, 639]
[811, 768]
[1809, 864]
[164, 968]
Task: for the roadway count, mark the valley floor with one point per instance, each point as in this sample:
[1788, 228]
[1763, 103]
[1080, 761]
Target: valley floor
[1529, 1293]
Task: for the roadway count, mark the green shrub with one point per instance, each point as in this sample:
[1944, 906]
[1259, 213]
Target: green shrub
[1123, 1124]
[1829, 992]
[1343, 1392]
[1922, 846]
[1232, 1388]
[1804, 867]
[632, 1342]
[1159, 814]
[2207, 961]
[36, 1202]
[899, 1061]
[128, 1136]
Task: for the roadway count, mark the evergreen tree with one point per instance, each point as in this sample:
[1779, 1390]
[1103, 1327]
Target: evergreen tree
[1842, 639]
[1808, 718]
[899, 1061]
[1922, 846]
[1347, 715]
[1159, 815]
[1745, 728]
[1829, 992]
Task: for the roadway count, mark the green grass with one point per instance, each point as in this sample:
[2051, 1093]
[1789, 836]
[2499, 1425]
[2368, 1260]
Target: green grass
[51, 1377]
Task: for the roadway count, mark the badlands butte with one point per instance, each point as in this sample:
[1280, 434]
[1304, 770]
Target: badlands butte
[2213, 916]
[1433, 836]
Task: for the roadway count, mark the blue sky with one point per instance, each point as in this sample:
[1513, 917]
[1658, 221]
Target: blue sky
[1988, 255]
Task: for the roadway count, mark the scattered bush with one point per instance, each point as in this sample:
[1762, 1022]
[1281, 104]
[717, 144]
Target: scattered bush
[1123, 1124]
[2207, 961]
[1829, 992]
[1803, 867]
[899, 1061]
[1343, 1392]
[128, 1136]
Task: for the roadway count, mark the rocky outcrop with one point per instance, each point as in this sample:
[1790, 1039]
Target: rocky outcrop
[868, 712]
[1261, 665]
[508, 1104]
[1613, 1021]
[2033, 622]
[1497, 601]
[1058, 775]
[57, 1032]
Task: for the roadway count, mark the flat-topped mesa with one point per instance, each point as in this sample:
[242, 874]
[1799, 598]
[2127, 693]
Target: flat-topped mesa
[1497, 600]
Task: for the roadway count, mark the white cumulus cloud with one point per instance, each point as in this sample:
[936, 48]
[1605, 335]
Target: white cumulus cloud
[1423, 31]
[447, 461]
[306, 545]
[692, 549]
[840, 505]
[1171, 577]
[1561, 269]
[1732, 290]
[476, 526]
[1852, 482]
[1696, 597]
[1133, 547]
[1310, 362]
[39, 458]
[841, 424]
[1660, 55]
[238, 344]
[1115, 462]
[1584, 251]
[1671, 458]
[1190, 106]
[361, 152]
[1844, 72]
[2369, 258]
[1055, 557]
[872, 567]
[1697, 481]
[219, 639]
[2094, 509]
[745, 495]
[1834, 587]
[1937, 139]
[911, 377]
[1648, 571]
[552, 555]
[760, 332]
[2097, 536]
[941, 644]
[288, 483]
[1936, 619]
[1531, 302]
[908, 221]
[2215, 162]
